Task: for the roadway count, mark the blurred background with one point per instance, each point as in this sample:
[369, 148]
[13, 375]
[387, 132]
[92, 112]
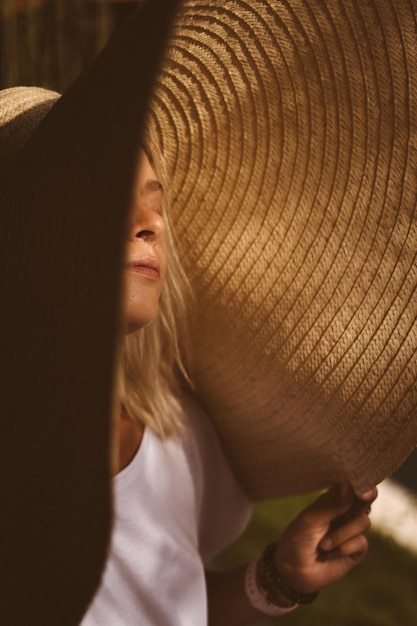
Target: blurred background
[48, 43]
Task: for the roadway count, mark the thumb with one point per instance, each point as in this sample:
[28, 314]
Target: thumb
[333, 503]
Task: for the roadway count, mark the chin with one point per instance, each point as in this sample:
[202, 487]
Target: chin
[135, 323]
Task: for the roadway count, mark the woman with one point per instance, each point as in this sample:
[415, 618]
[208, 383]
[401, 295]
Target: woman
[176, 502]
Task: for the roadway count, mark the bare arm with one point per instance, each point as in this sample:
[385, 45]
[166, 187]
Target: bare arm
[227, 601]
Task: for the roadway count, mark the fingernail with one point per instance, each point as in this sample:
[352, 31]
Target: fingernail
[367, 494]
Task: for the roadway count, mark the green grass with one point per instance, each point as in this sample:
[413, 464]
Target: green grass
[381, 591]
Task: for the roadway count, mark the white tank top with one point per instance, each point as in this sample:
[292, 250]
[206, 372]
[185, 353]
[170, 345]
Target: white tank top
[176, 505]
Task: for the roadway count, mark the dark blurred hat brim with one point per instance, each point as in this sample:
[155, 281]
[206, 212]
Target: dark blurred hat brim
[64, 203]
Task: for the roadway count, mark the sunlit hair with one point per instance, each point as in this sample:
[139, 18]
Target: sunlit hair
[152, 366]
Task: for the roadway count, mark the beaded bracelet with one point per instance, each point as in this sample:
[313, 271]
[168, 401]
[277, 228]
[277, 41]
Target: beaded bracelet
[290, 593]
[258, 596]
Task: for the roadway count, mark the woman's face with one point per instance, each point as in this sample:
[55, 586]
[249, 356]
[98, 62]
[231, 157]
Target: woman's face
[146, 252]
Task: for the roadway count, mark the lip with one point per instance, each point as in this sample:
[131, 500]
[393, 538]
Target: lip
[146, 266]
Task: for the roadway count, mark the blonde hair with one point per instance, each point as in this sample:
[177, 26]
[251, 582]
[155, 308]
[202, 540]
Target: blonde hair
[150, 393]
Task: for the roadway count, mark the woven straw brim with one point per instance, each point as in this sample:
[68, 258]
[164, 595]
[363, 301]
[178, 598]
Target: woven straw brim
[290, 131]
[21, 111]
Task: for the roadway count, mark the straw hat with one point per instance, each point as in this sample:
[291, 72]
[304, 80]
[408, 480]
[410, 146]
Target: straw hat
[290, 130]
[290, 134]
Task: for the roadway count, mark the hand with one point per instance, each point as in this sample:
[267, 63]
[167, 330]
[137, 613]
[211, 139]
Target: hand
[326, 540]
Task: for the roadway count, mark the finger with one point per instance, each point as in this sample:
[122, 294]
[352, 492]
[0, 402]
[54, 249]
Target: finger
[357, 508]
[341, 534]
[353, 549]
[333, 503]
[368, 496]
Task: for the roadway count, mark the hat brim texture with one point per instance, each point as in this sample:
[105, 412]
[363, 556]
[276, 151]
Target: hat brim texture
[21, 111]
[64, 202]
[290, 130]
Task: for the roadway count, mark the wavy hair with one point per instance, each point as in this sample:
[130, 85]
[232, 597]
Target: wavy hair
[150, 394]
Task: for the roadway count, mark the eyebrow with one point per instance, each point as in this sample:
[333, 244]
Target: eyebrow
[153, 185]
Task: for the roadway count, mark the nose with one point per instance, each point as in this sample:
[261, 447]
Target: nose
[145, 224]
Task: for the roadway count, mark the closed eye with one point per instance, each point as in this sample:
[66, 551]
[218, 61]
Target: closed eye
[144, 233]
[153, 192]
[154, 185]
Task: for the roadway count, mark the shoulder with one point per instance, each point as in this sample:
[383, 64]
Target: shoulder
[201, 436]
[224, 509]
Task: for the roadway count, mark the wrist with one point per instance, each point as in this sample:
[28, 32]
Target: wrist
[260, 596]
[270, 591]
[279, 580]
